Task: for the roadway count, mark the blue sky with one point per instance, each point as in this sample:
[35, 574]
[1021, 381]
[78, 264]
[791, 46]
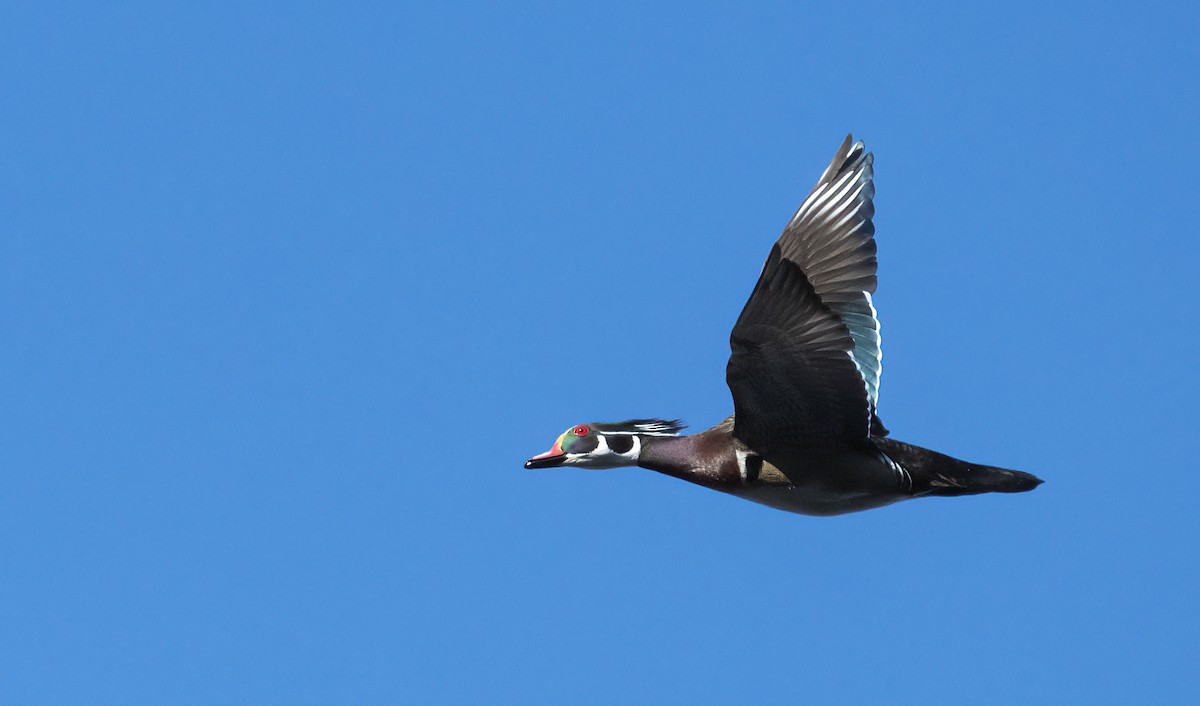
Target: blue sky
[290, 291]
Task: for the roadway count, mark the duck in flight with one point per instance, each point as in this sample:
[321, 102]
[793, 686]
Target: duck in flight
[804, 373]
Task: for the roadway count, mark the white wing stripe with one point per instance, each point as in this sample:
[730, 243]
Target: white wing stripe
[804, 207]
[839, 201]
[836, 192]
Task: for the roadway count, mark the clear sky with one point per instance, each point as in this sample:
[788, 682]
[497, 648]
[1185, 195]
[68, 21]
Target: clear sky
[289, 291]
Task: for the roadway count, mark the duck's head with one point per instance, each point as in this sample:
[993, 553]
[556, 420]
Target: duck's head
[601, 445]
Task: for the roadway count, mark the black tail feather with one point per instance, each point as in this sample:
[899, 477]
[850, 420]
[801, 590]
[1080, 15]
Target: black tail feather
[938, 474]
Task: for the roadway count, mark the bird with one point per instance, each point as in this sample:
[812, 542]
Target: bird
[804, 371]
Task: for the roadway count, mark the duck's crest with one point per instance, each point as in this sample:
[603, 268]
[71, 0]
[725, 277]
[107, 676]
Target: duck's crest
[643, 427]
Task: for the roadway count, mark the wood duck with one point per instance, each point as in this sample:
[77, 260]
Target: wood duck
[804, 373]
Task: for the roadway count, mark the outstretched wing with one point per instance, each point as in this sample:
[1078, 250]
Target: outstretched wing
[793, 378]
[832, 239]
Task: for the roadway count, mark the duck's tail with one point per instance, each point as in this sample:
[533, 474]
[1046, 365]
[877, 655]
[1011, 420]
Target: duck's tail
[938, 474]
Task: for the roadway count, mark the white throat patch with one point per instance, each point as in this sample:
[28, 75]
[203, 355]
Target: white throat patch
[603, 456]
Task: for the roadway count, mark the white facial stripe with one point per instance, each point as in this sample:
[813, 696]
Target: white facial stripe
[603, 456]
[632, 454]
[648, 429]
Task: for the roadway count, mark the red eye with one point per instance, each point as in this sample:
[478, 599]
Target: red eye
[580, 430]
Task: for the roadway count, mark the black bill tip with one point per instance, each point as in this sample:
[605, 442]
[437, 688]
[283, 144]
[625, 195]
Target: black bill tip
[545, 461]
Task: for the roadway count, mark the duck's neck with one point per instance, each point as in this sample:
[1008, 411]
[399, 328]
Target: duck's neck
[686, 457]
[666, 454]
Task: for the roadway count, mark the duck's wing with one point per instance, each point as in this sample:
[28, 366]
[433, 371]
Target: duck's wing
[794, 382]
[832, 239]
[806, 356]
